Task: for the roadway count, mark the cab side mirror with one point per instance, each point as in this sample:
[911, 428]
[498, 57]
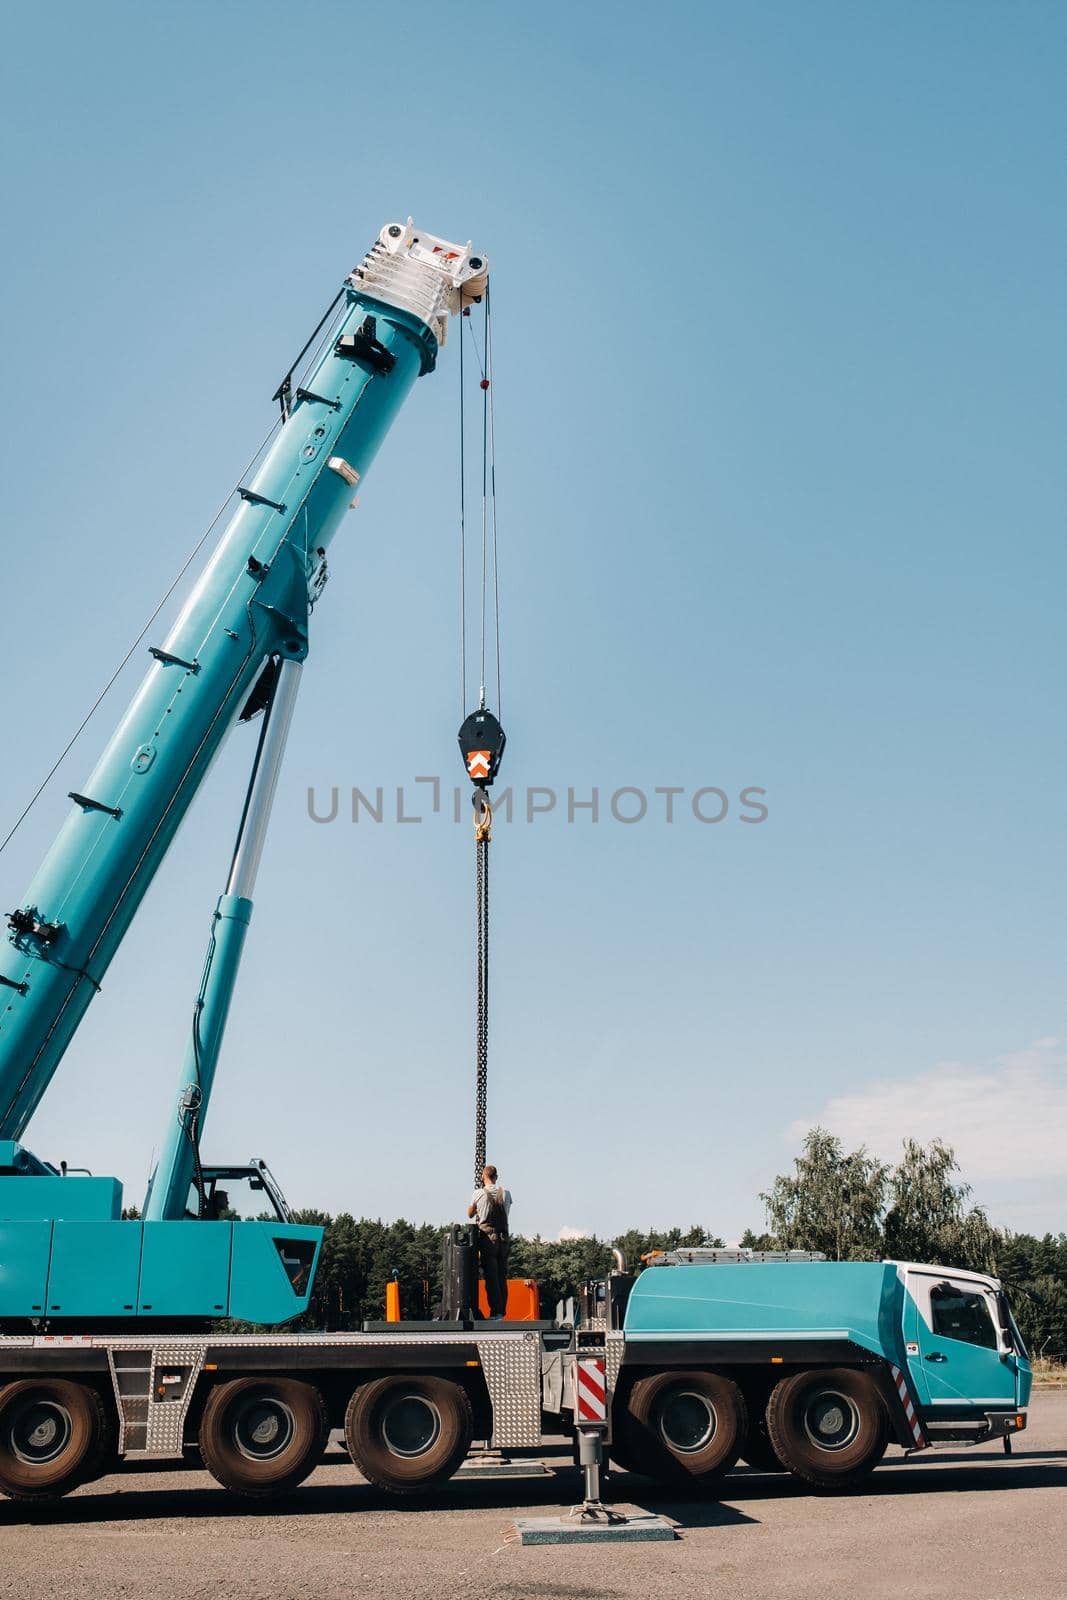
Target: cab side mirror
[1005, 1335]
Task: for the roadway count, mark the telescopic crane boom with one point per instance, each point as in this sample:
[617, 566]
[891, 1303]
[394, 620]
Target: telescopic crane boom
[237, 645]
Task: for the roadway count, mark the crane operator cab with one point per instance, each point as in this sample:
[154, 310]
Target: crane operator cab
[251, 1194]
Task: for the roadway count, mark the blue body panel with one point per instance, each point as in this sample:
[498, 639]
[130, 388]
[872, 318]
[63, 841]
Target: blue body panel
[856, 1300]
[1025, 1384]
[260, 1288]
[88, 1199]
[185, 1269]
[15, 1158]
[94, 1269]
[25, 1248]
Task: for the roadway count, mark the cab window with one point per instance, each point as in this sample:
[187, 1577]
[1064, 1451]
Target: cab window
[959, 1313]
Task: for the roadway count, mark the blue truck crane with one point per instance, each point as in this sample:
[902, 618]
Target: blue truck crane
[118, 1337]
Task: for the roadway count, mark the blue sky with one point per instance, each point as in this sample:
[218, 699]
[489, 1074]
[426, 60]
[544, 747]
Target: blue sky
[779, 319]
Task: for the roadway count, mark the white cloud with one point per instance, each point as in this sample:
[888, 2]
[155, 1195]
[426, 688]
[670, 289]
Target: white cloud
[572, 1233]
[1006, 1119]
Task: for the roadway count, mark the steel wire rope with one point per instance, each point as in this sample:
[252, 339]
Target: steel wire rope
[462, 528]
[485, 523]
[492, 491]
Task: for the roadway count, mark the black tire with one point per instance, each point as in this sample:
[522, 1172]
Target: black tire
[408, 1433]
[54, 1435]
[683, 1427]
[619, 1453]
[757, 1450]
[262, 1436]
[829, 1428]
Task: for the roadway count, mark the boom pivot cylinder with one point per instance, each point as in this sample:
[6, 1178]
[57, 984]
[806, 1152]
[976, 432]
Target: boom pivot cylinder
[253, 831]
[169, 1190]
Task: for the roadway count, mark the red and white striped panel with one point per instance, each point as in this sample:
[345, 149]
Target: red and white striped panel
[592, 1390]
[909, 1410]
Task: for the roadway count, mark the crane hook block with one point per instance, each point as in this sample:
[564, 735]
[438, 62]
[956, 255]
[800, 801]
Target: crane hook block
[482, 741]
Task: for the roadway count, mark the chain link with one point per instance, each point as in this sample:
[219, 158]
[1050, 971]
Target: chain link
[482, 823]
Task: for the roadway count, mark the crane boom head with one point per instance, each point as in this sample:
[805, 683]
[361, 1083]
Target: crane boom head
[418, 272]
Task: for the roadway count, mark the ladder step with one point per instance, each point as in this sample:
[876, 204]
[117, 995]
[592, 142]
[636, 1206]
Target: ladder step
[255, 499]
[89, 804]
[169, 660]
[309, 394]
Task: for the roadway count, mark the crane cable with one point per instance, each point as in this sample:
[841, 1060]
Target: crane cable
[489, 538]
[492, 491]
[481, 737]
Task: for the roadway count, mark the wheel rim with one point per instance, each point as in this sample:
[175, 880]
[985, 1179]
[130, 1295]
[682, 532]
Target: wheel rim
[39, 1432]
[687, 1421]
[831, 1419]
[263, 1428]
[411, 1425]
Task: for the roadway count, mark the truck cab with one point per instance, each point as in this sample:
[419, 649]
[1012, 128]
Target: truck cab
[965, 1355]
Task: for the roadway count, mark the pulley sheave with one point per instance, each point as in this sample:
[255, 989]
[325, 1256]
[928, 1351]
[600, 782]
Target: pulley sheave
[482, 741]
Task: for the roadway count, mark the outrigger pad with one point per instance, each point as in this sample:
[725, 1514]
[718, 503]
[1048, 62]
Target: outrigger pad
[571, 1530]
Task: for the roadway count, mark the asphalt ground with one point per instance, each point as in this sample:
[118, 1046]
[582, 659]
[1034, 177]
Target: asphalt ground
[948, 1525]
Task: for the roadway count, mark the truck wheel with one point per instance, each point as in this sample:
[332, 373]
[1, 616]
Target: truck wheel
[757, 1450]
[829, 1428]
[684, 1426]
[618, 1452]
[53, 1436]
[408, 1433]
[261, 1436]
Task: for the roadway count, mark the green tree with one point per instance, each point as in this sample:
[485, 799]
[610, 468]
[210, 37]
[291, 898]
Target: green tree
[558, 1267]
[928, 1217]
[1034, 1272]
[756, 1241]
[635, 1243]
[1040, 1307]
[833, 1201]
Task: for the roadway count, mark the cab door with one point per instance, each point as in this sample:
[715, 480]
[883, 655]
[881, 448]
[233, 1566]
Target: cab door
[954, 1352]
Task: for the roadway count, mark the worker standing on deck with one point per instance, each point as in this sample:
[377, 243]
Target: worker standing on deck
[490, 1206]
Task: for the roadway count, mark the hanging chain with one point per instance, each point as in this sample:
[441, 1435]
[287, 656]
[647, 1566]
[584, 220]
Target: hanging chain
[483, 823]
